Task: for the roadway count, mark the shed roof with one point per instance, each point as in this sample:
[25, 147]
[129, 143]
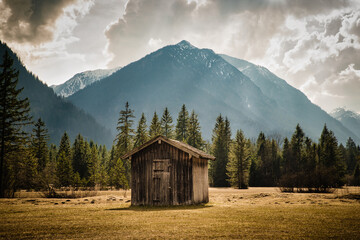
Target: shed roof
[180, 145]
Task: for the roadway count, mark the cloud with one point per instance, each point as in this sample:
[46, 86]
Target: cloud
[30, 20]
[316, 54]
[313, 44]
[308, 43]
[40, 32]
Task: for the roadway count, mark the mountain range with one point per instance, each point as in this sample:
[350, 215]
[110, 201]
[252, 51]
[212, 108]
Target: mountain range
[348, 118]
[58, 114]
[253, 98]
[81, 80]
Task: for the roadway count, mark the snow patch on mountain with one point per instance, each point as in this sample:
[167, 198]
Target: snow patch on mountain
[342, 113]
[82, 80]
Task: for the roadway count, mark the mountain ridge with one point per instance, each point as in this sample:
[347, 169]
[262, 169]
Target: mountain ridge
[82, 80]
[348, 118]
[58, 114]
[204, 81]
[293, 102]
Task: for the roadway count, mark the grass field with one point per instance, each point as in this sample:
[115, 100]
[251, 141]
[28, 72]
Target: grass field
[253, 213]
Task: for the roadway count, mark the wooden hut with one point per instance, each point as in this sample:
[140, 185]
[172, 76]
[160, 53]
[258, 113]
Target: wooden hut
[168, 172]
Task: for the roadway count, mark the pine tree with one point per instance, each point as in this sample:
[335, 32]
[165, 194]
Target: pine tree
[110, 166]
[275, 163]
[29, 170]
[39, 146]
[64, 168]
[220, 150]
[49, 177]
[351, 154]
[166, 124]
[227, 132]
[286, 154]
[293, 158]
[194, 134]
[141, 136]
[297, 146]
[79, 160]
[310, 160]
[119, 175]
[94, 166]
[155, 126]
[124, 138]
[14, 116]
[52, 153]
[239, 162]
[182, 124]
[262, 166]
[356, 175]
[125, 134]
[332, 169]
[104, 159]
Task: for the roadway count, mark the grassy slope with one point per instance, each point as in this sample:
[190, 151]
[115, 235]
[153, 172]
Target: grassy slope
[254, 213]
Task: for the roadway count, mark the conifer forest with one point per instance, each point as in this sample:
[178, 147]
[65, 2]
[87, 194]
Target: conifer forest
[29, 162]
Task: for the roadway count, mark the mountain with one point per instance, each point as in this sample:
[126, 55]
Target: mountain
[81, 80]
[58, 114]
[293, 103]
[204, 81]
[348, 118]
[180, 74]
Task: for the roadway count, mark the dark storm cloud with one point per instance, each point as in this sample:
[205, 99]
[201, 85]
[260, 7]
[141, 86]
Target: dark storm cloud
[30, 21]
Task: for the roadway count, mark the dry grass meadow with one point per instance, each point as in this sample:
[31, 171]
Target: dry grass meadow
[255, 213]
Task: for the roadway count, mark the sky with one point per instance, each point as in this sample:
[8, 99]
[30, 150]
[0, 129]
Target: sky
[313, 44]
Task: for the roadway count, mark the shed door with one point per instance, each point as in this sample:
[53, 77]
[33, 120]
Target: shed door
[161, 182]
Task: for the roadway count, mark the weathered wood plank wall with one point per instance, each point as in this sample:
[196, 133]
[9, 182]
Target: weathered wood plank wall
[180, 169]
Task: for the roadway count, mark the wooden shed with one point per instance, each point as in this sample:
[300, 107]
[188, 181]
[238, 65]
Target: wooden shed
[168, 172]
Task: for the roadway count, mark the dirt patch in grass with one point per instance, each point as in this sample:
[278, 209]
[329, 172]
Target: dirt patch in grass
[252, 213]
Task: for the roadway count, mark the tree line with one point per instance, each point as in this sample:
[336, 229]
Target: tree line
[298, 164]
[29, 162]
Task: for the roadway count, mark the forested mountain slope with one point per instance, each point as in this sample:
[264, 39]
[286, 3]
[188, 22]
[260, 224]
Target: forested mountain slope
[58, 114]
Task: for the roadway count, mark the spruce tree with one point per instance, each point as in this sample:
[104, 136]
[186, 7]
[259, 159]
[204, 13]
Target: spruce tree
[286, 154]
[166, 124]
[293, 161]
[39, 146]
[104, 159]
[194, 134]
[118, 173]
[14, 116]
[220, 150]
[155, 126]
[297, 146]
[125, 134]
[110, 166]
[182, 124]
[28, 172]
[356, 175]
[351, 155]
[94, 166]
[275, 162]
[64, 168]
[141, 136]
[332, 168]
[239, 162]
[124, 138]
[261, 153]
[49, 177]
[79, 160]
[227, 132]
[52, 153]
